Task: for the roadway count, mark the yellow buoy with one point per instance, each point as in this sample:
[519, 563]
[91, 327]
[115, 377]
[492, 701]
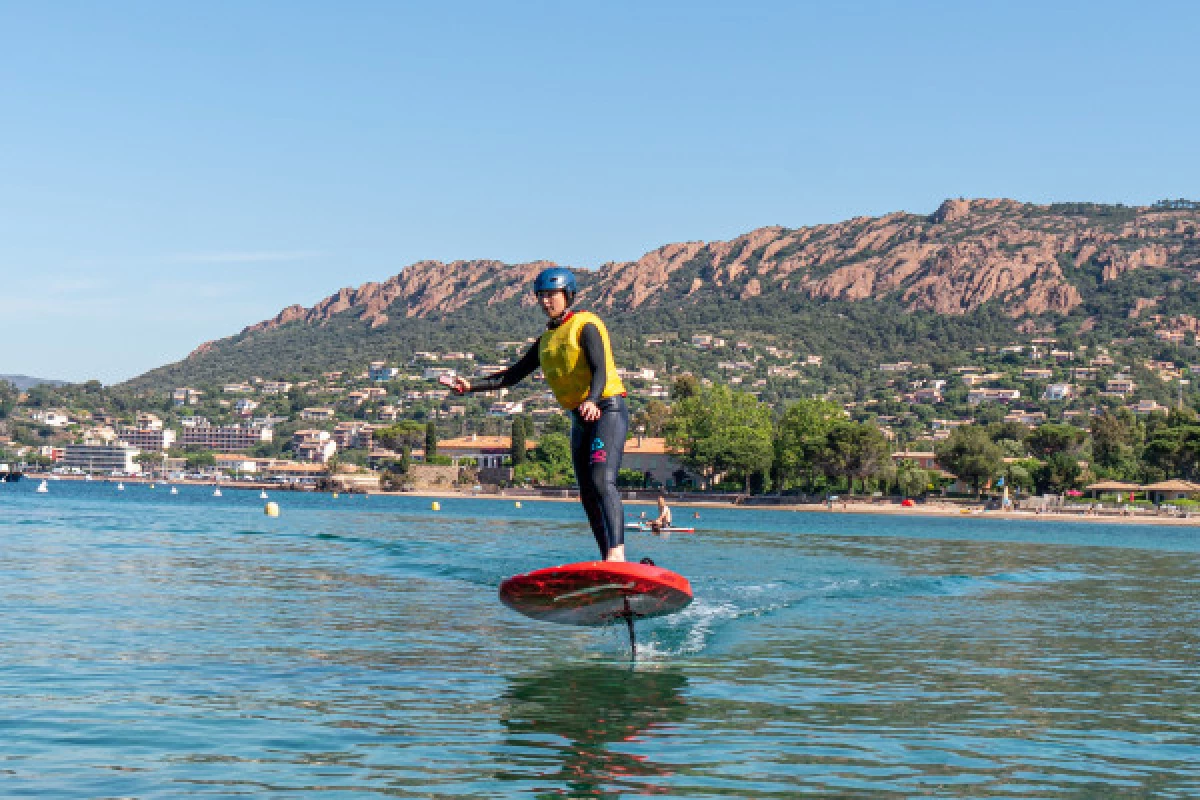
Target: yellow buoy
[335, 495]
[517, 504]
[436, 506]
[271, 509]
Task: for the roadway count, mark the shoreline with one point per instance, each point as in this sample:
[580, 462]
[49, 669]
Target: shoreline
[928, 509]
[921, 510]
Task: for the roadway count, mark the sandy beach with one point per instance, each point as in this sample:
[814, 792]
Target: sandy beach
[929, 509]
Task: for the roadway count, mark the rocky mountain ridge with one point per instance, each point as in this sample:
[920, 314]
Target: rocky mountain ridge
[968, 253]
[974, 274]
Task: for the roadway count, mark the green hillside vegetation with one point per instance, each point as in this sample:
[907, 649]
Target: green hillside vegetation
[855, 338]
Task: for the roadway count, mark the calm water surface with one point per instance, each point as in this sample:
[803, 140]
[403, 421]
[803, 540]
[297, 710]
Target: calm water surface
[157, 645]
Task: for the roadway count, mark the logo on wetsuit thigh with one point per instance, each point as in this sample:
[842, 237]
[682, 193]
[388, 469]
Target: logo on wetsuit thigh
[599, 455]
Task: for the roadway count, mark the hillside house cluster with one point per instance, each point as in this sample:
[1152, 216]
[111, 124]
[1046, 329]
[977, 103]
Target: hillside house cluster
[340, 410]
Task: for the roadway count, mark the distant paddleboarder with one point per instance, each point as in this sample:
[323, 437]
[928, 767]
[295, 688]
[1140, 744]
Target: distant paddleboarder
[663, 520]
[576, 357]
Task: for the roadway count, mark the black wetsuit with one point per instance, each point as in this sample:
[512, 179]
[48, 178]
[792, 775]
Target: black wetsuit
[596, 451]
[596, 447]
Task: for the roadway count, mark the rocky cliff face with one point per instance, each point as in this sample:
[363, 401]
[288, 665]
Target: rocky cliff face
[1026, 257]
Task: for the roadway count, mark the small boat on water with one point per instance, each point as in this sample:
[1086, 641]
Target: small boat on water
[174, 490]
[262, 495]
[42, 487]
[217, 492]
[120, 487]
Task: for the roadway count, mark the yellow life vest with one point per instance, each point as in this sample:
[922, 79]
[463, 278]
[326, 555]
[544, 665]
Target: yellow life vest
[565, 367]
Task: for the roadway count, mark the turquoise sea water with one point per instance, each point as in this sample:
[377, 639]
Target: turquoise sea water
[163, 646]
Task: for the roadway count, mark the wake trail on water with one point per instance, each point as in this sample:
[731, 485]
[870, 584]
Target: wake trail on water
[916, 586]
[721, 609]
[726, 610]
[439, 553]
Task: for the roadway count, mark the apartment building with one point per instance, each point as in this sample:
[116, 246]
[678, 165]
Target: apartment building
[147, 421]
[51, 417]
[975, 379]
[1148, 407]
[380, 372]
[101, 458]
[315, 414]
[503, 408]
[1059, 391]
[353, 435]
[245, 407]
[185, 396]
[313, 446]
[226, 437]
[928, 394]
[922, 458]
[388, 413]
[487, 451]
[1029, 418]
[1120, 385]
[236, 462]
[149, 439]
[100, 434]
[638, 374]
[992, 395]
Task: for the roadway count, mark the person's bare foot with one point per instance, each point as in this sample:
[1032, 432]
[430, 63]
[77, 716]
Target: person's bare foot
[616, 554]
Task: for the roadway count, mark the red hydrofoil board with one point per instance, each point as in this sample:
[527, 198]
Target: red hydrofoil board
[596, 592]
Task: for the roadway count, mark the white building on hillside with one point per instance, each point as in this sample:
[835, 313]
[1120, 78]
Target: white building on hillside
[1059, 391]
[101, 458]
[51, 417]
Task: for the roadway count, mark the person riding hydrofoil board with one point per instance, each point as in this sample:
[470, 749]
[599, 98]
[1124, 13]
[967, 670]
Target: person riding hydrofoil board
[576, 357]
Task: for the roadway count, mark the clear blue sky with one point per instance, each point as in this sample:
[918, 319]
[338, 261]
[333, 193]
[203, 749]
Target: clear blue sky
[172, 172]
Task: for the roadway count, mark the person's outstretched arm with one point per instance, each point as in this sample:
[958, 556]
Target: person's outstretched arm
[518, 372]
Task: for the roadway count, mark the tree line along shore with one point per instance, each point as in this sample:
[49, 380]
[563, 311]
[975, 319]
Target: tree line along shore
[728, 439]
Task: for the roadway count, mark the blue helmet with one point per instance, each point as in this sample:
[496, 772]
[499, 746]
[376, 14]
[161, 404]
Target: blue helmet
[548, 280]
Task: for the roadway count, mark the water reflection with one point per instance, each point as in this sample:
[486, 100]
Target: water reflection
[573, 729]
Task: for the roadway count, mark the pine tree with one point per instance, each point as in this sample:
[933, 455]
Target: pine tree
[519, 437]
[430, 440]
